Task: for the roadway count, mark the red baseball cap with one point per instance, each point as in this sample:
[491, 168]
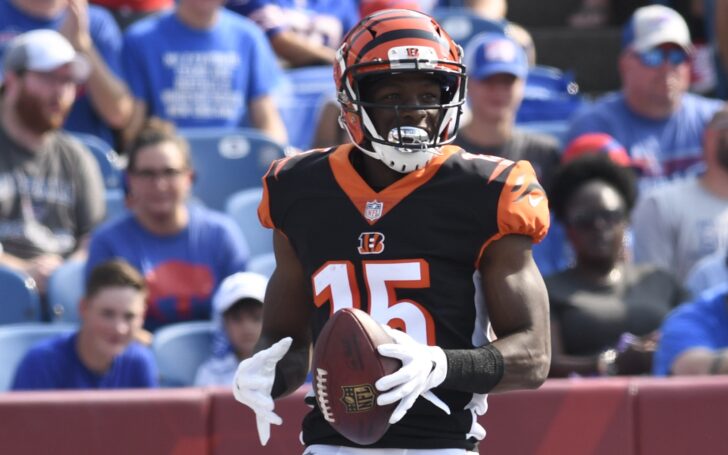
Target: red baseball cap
[593, 143]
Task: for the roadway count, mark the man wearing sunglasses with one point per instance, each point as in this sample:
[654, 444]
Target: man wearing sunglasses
[653, 116]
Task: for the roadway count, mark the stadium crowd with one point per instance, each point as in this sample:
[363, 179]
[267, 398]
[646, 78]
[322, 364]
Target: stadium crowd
[635, 262]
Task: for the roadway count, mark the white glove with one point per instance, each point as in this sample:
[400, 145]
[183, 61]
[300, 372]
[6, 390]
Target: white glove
[253, 384]
[423, 368]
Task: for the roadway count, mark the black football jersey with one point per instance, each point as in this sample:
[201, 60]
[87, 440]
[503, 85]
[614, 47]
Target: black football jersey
[408, 255]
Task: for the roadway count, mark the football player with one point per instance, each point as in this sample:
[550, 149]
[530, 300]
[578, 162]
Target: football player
[425, 237]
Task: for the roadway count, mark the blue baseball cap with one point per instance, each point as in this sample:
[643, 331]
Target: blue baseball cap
[491, 53]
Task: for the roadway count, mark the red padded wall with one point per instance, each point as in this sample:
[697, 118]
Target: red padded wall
[587, 416]
[623, 416]
[687, 415]
[165, 422]
[234, 427]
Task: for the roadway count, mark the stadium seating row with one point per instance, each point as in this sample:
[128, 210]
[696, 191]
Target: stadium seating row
[595, 416]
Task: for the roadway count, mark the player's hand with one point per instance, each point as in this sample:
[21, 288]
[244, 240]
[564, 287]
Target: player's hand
[423, 368]
[253, 384]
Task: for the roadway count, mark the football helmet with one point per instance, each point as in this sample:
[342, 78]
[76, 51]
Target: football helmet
[391, 42]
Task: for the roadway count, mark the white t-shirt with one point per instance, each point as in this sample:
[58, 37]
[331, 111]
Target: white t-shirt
[677, 224]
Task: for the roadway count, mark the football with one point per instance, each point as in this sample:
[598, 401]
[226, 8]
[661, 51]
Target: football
[345, 367]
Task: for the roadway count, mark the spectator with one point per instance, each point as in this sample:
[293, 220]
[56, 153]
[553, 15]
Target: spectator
[238, 309]
[554, 254]
[103, 102]
[202, 66]
[182, 251]
[126, 12]
[52, 193]
[653, 116]
[694, 337]
[497, 71]
[602, 299]
[677, 224]
[102, 353]
[301, 33]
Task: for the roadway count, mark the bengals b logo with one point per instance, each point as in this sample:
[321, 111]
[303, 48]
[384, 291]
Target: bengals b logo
[371, 243]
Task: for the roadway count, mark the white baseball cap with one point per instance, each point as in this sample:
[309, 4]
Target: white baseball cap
[44, 50]
[238, 286]
[653, 25]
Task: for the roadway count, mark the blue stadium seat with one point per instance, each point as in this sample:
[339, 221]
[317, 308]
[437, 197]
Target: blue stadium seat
[180, 349]
[243, 208]
[462, 24]
[227, 161]
[20, 301]
[17, 339]
[106, 156]
[263, 264]
[300, 100]
[65, 290]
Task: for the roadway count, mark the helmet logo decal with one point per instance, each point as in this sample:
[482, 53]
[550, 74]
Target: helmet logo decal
[373, 210]
[412, 57]
[371, 243]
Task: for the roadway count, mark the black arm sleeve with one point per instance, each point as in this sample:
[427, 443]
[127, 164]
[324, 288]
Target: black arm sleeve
[473, 370]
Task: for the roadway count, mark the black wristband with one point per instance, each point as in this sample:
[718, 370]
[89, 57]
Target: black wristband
[476, 370]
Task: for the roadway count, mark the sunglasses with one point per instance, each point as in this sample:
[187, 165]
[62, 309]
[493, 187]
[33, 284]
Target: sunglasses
[656, 57]
[593, 218]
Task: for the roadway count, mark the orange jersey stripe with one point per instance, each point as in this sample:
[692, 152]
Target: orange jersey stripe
[359, 192]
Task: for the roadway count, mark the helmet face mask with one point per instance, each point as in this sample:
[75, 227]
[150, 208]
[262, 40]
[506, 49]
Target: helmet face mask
[385, 45]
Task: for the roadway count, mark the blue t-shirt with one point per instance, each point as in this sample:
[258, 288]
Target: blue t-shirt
[702, 323]
[182, 270]
[106, 37]
[199, 78]
[662, 148]
[54, 364]
[323, 21]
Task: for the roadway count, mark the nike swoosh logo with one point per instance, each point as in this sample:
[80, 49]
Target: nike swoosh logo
[534, 200]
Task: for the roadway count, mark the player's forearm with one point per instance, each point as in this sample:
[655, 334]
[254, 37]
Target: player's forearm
[526, 359]
[498, 367]
[291, 371]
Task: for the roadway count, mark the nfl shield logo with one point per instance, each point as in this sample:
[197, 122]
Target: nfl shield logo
[373, 210]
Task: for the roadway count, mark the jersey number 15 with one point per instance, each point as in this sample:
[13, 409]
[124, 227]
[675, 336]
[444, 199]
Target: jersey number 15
[335, 282]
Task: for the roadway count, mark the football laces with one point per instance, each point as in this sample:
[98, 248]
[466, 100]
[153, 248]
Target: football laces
[322, 395]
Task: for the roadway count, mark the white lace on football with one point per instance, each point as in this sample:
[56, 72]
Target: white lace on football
[322, 396]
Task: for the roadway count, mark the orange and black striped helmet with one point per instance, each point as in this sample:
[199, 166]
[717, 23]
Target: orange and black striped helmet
[396, 41]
